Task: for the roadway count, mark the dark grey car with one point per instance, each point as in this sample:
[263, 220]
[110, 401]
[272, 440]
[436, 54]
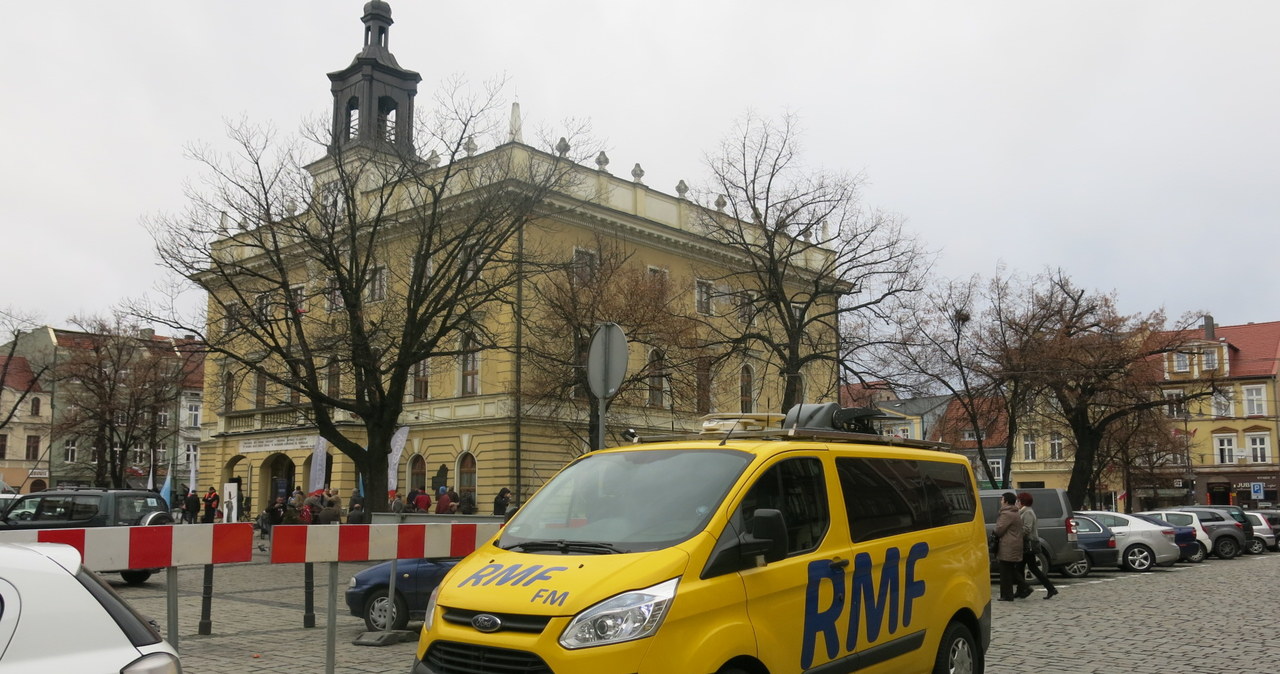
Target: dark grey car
[1058, 547]
[1227, 536]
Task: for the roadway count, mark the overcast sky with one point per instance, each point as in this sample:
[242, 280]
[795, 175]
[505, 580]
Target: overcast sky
[1133, 144]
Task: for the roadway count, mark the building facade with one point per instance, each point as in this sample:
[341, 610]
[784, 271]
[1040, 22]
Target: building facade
[24, 440]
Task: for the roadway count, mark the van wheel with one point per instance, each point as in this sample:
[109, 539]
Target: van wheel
[958, 652]
[1078, 569]
[1139, 558]
[377, 611]
[1256, 546]
[1226, 547]
[135, 577]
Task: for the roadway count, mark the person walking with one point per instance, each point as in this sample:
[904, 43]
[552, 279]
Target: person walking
[1031, 548]
[1009, 553]
[211, 503]
[422, 502]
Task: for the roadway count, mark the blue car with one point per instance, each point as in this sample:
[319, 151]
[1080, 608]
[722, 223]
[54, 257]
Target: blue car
[416, 579]
[1098, 543]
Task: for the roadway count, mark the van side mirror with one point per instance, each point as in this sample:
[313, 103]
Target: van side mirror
[768, 536]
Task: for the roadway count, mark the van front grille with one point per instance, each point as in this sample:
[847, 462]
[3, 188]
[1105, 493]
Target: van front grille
[451, 657]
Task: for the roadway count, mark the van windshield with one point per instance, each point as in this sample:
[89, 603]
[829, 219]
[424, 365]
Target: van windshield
[627, 501]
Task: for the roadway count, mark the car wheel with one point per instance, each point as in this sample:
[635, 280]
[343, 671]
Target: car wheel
[377, 608]
[1226, 548]
[958, 652]
[1078, 569]
[135, 577]
[1199, 555]
[1138, 558]
[1256, 546]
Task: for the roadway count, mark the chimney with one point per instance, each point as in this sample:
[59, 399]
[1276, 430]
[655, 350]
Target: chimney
[1208, 328]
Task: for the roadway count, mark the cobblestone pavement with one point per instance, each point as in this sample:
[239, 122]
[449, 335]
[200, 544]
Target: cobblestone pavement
[1188, 618]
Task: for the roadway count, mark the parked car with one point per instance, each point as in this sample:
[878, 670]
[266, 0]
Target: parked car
[1098, 543]
[1142, 545]
[1058, 550]
[416, 579]
[1228, 534]
[1184, 536]
[1183, 519]
[1233, 512]
[57, 616]
[77, 508]
[1264, 536]
[1272, 518]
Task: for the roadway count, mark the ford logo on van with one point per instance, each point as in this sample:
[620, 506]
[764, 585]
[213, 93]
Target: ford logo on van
[486, 622]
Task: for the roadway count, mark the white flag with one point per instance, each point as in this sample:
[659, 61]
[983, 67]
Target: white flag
[318, 460]
[393, 461]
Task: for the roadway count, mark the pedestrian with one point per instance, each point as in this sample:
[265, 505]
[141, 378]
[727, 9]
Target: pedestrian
[411, 502]
[467, 506]
[357, 515]
[1031, 548]
[501, 502]
[276, 513]
[443, 502]
[1009, 554]
[192, 507]
[396, 504]
[312, 505]
[423, 501]
[211, 503]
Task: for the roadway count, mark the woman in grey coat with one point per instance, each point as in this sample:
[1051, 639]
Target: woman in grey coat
[1030, 550]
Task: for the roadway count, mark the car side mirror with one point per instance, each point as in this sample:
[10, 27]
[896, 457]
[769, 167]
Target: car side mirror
[767, 536]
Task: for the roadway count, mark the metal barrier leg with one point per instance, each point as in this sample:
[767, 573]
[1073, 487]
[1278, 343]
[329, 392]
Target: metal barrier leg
[206, 602]
[171, 579]
[308, 599]
[331, 636]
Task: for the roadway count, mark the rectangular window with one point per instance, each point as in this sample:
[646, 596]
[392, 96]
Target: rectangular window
[33, 447]
[298, 299]
[746, 306]
[1226, 446]
[1180, 362]
[333, 296]
[4, 445]
[333, 381]
[585, 263]
[422, 380]
[69, 450]
[1222, 406]
[797, 312]
[702, 297]
[470, 366]
[1211, 359]
[1029, 447]
[262, 306]
[1259, 447]
[1255, 405]
[1055, 446]
[970, 435]
[885, 497]
[1174, 407]
[193, 414]
[162, 419]
[376, 290]
[997, 468]
[193, 452]
[260, 391]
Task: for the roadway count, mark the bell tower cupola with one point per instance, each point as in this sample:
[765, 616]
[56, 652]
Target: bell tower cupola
[373, 97]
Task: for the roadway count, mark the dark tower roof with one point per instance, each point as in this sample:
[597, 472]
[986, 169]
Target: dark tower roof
[373, 96]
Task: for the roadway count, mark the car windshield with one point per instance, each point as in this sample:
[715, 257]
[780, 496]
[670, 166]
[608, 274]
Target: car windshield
[626, 501]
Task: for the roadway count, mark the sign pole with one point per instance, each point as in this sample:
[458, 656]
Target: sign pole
[606, 365]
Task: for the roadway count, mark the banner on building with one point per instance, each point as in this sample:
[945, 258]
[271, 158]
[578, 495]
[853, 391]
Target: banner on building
[393, 462]
[318, 461]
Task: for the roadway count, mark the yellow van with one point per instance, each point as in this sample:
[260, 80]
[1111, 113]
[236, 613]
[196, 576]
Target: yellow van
[800, 548]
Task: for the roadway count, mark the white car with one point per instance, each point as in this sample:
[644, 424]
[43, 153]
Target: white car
[1142, 544]
[57, 616]
[1181, 519]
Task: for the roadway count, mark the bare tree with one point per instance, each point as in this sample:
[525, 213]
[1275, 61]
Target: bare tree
[120, 385]
[1094, 366]
[602, 285]
[807, 253]
[330, 283]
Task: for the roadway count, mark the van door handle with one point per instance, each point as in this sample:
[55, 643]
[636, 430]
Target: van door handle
[839, 563]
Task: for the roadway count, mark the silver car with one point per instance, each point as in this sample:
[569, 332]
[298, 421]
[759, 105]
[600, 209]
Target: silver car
[1142, 544]
[1264, 533]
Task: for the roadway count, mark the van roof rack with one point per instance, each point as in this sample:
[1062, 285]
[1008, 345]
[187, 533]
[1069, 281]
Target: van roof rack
[827, 421]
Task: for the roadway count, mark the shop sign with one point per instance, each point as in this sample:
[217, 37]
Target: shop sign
[278, 443]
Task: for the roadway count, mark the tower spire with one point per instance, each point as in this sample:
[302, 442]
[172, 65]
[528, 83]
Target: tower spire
[373, 96]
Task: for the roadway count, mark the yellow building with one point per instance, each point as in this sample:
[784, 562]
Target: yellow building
[24, 440]
[482, 418]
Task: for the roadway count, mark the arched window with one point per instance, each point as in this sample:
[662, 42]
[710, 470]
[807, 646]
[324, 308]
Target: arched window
[466, 474]
[387, 119]
[657, 379]
[417, 473]
[746, 389]
[353, 118]
[470, 365]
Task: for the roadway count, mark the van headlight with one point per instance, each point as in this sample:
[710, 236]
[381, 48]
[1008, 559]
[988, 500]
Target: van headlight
[431, 610]
[631, 615]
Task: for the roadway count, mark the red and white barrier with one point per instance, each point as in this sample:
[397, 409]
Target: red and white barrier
[294, 544]
[148, 547]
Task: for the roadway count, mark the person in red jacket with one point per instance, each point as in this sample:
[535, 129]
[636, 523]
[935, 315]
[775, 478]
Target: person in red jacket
[211, 503]
[423, 502]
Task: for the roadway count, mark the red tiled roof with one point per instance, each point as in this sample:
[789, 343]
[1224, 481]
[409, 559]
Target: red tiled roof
[956, 420]
[1254, 348]
[18, 375]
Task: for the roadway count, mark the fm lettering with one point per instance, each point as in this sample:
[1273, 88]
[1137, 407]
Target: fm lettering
[894, 593]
